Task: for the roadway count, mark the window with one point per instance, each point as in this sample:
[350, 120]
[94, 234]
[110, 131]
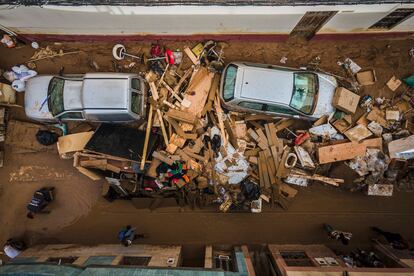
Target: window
[229, 83]
[135, 84]
[71, 115]
[129, 260]
[224, 262]
[279, 109]
[251, 105]
[296, 258]
[311, 23]
[304, 92]
[393, 19]
[136, 103]
[55, 95]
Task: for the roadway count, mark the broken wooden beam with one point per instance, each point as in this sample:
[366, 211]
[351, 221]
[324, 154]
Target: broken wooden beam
[182, 116]
[346, 151]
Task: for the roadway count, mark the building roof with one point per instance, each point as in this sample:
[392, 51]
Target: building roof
[201, 2]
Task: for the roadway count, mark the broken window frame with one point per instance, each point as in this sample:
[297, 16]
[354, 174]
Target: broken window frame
[310, 23]
[385, 24]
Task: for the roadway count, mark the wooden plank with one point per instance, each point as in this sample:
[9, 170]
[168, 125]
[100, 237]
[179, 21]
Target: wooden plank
[260, 166]
[154, 91]
[147, 135]
[181, 116]
[191, 55]
[197, 91]
[276, 141]
[92, 175]
[287, 191]
[282, 171]
[262, 160]
[113, 168]
[194, 155]
[73, 142]
[269, 135]
[182, 80]
[256, 125]
[162, 157]
[94, 163]
[232, 137]
[175, 95]
[179, 131]
[276, 157]
[270, 165]
[284, 123]
[253, 134]
[211, 94]
[346, 151]
[196, 148]
[321, 178]
[219, 114]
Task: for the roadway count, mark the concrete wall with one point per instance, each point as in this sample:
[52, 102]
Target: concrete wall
[159, 253]
[189, 20]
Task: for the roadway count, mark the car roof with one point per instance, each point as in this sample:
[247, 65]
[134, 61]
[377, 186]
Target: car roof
[261, 83]
[111, 93]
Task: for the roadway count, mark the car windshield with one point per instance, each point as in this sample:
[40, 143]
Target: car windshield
[55, 96]
[304, 92]
[229, 83]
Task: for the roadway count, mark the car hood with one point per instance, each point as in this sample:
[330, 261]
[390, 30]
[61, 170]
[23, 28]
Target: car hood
[35, 94]
[327, 87]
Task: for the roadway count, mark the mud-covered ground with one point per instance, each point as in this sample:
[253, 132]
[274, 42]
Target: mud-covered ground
[81, 215]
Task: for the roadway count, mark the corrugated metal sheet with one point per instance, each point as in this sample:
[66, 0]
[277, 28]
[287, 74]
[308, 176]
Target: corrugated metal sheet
[200, 2]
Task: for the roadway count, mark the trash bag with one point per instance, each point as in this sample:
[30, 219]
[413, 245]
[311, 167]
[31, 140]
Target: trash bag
[46, 137]
[409, 81]
[250, 190]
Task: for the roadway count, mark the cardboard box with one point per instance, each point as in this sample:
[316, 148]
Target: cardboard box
[367, 77]
[393, 83]
[345, 100]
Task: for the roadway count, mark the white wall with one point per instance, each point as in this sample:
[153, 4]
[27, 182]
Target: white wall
[185, 20]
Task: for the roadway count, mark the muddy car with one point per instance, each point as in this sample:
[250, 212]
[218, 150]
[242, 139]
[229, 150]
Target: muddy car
[278, 91]
[95, 97]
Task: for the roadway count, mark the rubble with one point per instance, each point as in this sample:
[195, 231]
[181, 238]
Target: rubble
[191, 149]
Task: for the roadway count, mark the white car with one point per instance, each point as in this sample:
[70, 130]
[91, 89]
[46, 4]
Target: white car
[275, 90]
[95, 97]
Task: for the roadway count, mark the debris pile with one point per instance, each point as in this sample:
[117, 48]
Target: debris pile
[199, 152]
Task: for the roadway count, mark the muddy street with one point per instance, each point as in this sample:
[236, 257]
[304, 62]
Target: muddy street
[81, 215]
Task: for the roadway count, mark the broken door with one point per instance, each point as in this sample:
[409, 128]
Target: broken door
[310, 23]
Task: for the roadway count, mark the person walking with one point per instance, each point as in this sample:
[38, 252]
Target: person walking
[395, 239]
[41, 198]
[127, 235]
[344, 237]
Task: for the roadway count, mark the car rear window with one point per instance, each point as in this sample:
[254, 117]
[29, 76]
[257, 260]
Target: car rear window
[55, 95]
[135, 84]
[229, 82]
[136, 103]
[304, 92]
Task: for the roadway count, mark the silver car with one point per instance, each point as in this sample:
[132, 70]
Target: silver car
[95, 97]
[275, 90]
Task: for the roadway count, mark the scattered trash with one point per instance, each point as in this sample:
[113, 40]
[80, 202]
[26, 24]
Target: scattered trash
[193, 152]
[18, 76]
[8, 41]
